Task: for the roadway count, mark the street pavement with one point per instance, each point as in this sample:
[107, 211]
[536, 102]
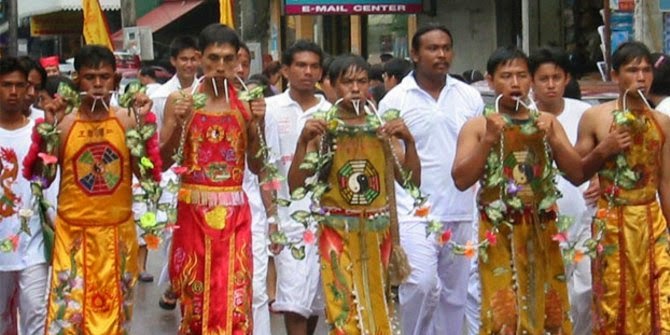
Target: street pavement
[149, 319]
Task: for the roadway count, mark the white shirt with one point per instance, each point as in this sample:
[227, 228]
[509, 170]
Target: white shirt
[664, 106]
[14, 146]
[284, 120]
[572, 203]
[160, 95]
[435, 126]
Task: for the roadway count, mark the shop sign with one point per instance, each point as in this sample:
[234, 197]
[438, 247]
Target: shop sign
[665, 5]
[330, 7]
[58, 23]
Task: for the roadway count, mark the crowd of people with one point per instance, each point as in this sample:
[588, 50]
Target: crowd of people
[390, 199]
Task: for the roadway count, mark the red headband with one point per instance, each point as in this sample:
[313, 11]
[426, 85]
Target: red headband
[49, 61]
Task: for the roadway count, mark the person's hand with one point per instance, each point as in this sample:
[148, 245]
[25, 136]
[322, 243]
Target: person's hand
[142, 104]
[495, 123]
[183, 107]
[258, 109]
[616, 141]
[54, 110]
[592, 193]
[312, 129]
[545, 123]
[275, 248]
[397, 128]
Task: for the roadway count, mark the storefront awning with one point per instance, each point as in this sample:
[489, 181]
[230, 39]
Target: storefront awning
[37, 7]
[162, 15]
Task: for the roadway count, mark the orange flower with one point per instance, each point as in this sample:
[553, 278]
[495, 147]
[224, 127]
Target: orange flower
[422, 211]
[579, 256]
[152, 241]
[601, 214]
[469, 250]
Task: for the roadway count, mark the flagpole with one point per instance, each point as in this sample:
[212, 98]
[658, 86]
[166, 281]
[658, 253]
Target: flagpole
[13, 21]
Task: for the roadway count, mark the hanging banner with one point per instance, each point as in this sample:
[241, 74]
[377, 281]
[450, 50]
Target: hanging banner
[329, 7]
[226, 13]
[95, 24]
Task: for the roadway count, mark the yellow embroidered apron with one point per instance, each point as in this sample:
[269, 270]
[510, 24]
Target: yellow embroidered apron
[354, 239]
[631, 277]
[523, 282]
[95, 250]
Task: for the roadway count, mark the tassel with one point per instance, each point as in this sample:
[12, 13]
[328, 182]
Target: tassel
[399, 268]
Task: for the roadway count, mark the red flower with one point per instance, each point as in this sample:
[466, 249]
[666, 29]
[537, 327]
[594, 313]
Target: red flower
[445, 237]
[491, 237]
[560, 237]
[15, 241]
[48, 159]
[150, 118]
[179, 170]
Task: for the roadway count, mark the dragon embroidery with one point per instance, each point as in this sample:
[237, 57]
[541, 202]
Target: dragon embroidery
[9, 170]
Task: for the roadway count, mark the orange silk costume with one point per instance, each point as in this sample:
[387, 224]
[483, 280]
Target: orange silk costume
[523, 282]
[631, 275]
[95, 250]
[354, 239]
[211, 260]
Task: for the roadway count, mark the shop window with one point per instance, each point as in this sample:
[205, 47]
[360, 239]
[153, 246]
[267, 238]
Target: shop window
[387, 34]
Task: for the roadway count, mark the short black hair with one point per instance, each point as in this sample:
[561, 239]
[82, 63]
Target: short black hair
[149, 71]
[628, 52]
[553, 55]
[385, 57]
[94, 56]
[181, 43]
[52, 83]
[397, 68]
[30, 64]
[10, 65]
[661, 83]
[503, 56]
[301, 46]
[472, 76]
[376, 72]
[416, 39]
[217, 33]
[341, 64]
[325, 65]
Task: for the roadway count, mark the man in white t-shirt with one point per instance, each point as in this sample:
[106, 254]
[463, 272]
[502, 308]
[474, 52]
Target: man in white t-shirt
[298, 293]
[23, 267]
[550, 70]
[434, 106]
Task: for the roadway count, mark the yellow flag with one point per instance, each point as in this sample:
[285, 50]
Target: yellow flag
[96, 30]
[226, 11]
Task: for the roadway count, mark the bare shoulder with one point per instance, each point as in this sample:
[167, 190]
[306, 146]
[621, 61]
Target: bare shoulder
[474, 127]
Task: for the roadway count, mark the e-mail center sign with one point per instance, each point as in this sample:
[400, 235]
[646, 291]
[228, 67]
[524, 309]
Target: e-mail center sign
[330, 7]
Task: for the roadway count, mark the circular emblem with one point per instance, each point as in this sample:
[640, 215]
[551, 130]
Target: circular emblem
[359, 182]
[197, 287]
[98, 168]
[215, 133]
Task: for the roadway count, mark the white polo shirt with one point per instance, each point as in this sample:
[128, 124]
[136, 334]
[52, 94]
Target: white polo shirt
[284, 120]
[435, 126]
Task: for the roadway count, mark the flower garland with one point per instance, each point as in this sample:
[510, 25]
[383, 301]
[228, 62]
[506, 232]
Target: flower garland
[142, 141]
[317, 187]
[499, 212]
[624, 177]
[47, 135]
[272, 178]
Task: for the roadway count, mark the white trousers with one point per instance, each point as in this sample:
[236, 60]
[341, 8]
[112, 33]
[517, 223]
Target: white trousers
[432, 301]
[23, 292]
[259, 246]
[299, 283]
